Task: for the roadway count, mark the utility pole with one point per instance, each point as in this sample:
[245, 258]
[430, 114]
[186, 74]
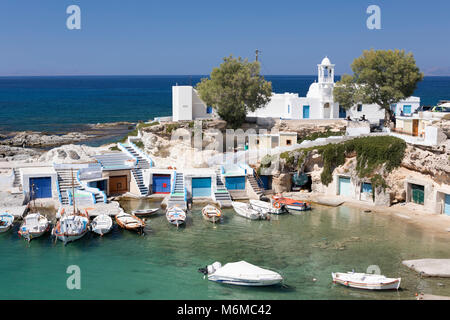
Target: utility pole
[257, 54]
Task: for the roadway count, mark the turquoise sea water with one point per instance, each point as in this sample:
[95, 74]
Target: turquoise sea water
[163, 264]
[56, 104]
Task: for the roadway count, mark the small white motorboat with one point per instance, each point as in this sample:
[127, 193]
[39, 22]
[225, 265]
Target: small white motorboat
[241, 273]
[176, 216]
[211, 213]
[71, 227]
[366, 281]
[33, 226]
[244, 210]
[267, 207]
[6, 222]
[102, 224]
[130, 222]
[144, 212]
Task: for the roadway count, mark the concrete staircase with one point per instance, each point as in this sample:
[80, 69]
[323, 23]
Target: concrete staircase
[257, 191]
[137, 172]
[178, 195]
[65, 183]
[221, 195]
[17, 179]
[142, 162]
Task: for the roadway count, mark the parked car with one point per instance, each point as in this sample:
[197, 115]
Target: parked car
[423, 108]
[441, 109]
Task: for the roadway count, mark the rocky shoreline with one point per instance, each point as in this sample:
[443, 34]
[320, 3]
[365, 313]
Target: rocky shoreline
[25, 145]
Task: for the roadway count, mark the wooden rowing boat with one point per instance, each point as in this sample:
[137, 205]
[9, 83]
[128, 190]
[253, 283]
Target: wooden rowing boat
[211, 213]
[130, 222]
[366, 281]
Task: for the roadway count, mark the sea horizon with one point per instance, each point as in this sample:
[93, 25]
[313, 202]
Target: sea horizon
[64, 103]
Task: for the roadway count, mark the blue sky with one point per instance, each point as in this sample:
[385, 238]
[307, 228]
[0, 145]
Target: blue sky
[146, 37]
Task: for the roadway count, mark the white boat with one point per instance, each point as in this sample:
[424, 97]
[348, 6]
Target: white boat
[71, 227]
[267, 207]
[176, 216]
[6, 222]
[144, 212]
[102, 224]
[244, 210]
[366, 281]
[241, 273]
[211, 213]
[33, 226]
[130, 222]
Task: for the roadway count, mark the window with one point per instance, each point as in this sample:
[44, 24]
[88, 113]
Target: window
[359, 108]
[288, 142]
[208, 109]
[257, 141]
[289, 109]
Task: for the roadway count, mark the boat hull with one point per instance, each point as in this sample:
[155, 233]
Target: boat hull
[245, 282]
[144, 213]
[393, 284]
[69, 238]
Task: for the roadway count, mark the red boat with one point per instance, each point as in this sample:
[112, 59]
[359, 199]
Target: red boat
[290, 204]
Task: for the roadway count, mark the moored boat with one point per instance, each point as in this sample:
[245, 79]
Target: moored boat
[241, 273]
[102, 224]
[176, 216]
[33, 226]
[245, 210]
[267, 207]
[291, 204]
[6, 222]
[130, 222]
[71, 227]
[366, 281]
[211, 213]
[144, 212]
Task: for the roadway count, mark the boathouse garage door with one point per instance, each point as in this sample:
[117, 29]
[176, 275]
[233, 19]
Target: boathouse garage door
[41, 188]
[447, 204]
[417, 194]
[201, 187]
[344, 186]
[161, 183]
[118, 184]
[235, 183]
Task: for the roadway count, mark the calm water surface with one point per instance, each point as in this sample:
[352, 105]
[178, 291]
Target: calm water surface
[163, 264]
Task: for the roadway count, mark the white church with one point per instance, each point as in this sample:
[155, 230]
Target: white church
[318, 104]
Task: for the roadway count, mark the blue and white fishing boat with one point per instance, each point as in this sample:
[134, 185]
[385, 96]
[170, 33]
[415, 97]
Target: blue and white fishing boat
[176, 216]
[6, 222]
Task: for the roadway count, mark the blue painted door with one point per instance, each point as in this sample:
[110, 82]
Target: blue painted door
[407, 109]
[201, 187]
[447, 204]
[305, 112]
[344, 186]
[161, 183]
[235, 183]
[265, 182]
[366, 188]
[40, 188]
[342, 112]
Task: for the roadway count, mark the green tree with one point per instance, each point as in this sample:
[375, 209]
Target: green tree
[234, 89]
[379, 77]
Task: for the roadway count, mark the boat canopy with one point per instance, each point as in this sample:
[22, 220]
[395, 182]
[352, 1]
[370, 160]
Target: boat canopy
[244, 269]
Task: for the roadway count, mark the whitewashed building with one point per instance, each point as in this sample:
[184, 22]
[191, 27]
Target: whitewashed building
[318, 104]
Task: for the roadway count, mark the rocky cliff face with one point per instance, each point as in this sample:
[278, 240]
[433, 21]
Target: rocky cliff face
[430, 161]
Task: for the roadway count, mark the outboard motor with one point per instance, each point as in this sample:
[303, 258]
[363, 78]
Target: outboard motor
[211, 268]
